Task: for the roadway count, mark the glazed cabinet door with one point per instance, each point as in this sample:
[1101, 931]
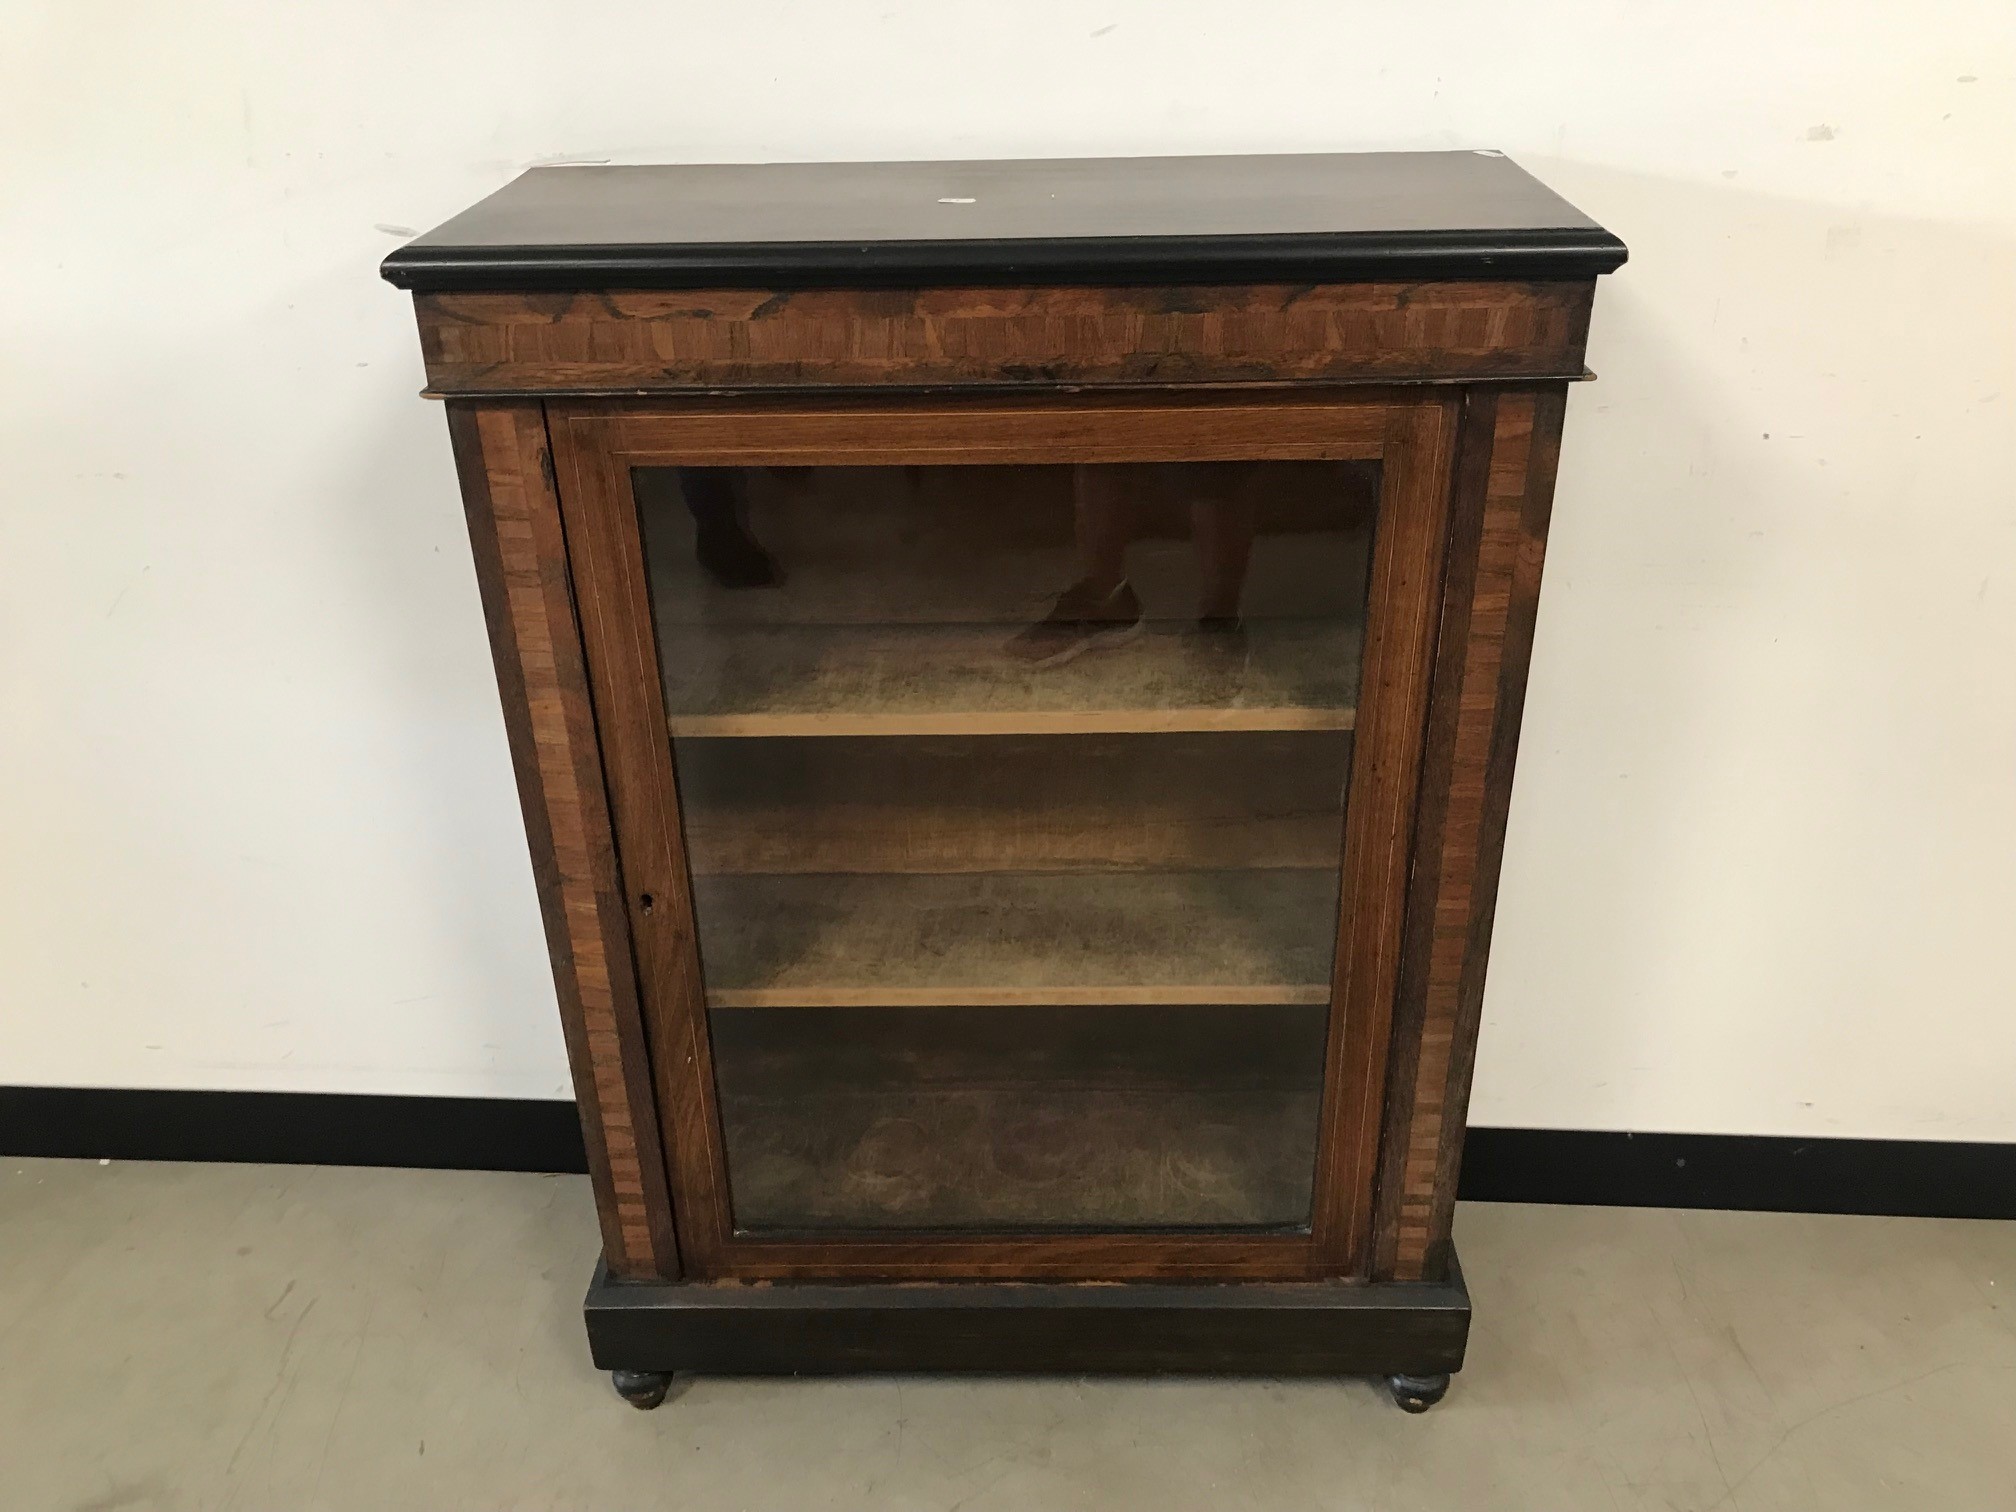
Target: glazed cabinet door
[1012, 801]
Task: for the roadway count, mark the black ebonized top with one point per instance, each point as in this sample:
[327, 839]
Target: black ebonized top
[1318, 218]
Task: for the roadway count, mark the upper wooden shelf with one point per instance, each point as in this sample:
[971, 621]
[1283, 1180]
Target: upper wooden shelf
[960, 680]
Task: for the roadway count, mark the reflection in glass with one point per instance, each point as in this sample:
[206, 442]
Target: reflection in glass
[1013, 801]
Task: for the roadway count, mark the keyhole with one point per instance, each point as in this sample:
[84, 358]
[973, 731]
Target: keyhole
[649, 902]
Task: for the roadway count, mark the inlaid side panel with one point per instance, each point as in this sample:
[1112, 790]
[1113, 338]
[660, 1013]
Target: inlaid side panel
[1505, 492]
[521, 564]
[667, 341]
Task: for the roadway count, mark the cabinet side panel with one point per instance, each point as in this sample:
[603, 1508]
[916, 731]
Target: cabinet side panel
[521, 565]
[1487, 640]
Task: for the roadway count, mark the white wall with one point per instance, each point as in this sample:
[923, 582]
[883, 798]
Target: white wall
[256, 814]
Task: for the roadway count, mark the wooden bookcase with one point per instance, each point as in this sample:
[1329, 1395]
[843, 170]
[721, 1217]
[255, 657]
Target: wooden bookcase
[1014, 671]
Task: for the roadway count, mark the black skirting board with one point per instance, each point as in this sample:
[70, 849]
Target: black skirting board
[1906, 1178]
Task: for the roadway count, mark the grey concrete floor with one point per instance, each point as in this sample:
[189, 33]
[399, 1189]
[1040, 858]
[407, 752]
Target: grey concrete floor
[282, 1339]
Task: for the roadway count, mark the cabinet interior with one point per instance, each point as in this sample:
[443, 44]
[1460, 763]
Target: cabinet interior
[998, 945]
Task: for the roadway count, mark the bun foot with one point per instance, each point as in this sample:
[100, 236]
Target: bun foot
[1417, 1393]
[645, 1389]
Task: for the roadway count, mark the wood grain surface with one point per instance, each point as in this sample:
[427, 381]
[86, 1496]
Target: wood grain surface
[668, 341]
[521, 560]
[1474, 730]
[1401, 624]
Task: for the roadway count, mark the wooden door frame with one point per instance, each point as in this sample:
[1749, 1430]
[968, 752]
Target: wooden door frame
[1411, 432]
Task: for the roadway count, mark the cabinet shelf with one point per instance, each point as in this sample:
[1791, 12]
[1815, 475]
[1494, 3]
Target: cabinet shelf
[1006, 938]
[959, 680]
[1015, 803]
[1045, 1117]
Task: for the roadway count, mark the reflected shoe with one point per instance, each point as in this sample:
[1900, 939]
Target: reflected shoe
[1081, 620]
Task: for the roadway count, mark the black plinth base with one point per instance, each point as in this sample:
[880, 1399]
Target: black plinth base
[1410, 1329]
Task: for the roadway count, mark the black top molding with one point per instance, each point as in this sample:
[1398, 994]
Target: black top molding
[1331, 218]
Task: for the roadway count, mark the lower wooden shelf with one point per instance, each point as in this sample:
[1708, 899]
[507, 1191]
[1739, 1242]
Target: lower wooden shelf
[991, 938]
[1021, 1119]
[1027, 1158]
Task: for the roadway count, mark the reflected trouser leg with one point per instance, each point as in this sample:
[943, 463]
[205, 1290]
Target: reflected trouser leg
[1222, 526]
[1103, 524]
[721, 541]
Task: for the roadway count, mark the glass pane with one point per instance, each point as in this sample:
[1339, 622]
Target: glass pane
[1014, 804]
